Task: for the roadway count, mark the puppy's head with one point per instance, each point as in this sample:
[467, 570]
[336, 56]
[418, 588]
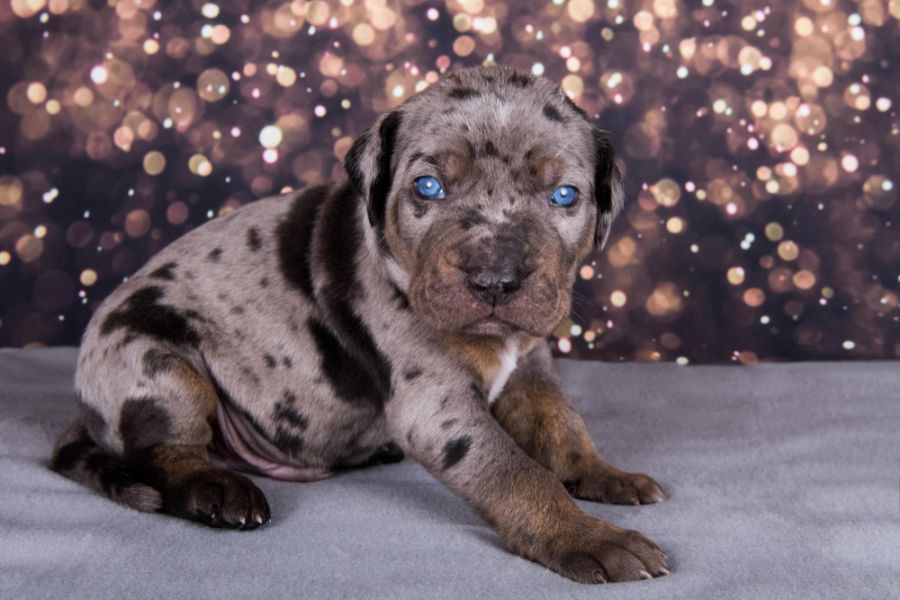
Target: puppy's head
[485, 192]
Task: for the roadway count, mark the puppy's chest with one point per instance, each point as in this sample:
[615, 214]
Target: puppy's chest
[493, 362]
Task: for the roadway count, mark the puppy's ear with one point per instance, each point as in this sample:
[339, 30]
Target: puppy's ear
[608, 190]
[368, 163]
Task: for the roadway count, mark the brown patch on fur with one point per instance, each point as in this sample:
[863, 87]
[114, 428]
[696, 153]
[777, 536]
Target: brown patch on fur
[538, 416]
[192, 489]
[546, 170]
[479, 354]
[454, 165]
[536, 413]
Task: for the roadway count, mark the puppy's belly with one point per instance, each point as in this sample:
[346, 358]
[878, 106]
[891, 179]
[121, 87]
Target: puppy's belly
[288, 423]
[243, 447]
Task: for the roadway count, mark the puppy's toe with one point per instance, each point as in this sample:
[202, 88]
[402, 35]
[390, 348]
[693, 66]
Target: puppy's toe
[618, 487]
[219, 498]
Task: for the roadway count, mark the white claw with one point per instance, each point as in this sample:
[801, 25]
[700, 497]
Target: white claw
[645, 575]
[243, 520]
[258, 519]
[665, 571]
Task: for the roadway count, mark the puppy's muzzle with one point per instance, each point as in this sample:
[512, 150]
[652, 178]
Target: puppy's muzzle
[495, 285]
[496, 270]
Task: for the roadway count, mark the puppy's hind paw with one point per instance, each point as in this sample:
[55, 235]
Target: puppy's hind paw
[219, 498]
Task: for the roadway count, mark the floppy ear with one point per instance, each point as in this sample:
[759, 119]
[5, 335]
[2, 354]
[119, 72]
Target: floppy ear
[608, 190]
[368, 163]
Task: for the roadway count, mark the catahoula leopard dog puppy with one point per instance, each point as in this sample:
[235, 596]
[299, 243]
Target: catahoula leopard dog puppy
[401, 310]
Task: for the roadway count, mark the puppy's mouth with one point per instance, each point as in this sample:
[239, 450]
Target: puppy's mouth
[489, 303]
[500, 321]
[493, 324]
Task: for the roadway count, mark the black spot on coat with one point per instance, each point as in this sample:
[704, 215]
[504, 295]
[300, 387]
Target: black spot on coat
[606, 174]
[463, 93]
[348, 375]
[156, 361]
[400, 297]
[251, 375]
[387, 454]
[471, 219]
[520, 79]
[377, 192]
[294, 237]
[381, 185]
[285, 412]
[254, 242]
[143, 424]
[69, 455]
[214, 255]
[341, 240]
[142, 313]
[270, 361]
[288, 440]
[412, 373]
[455, 450]
[92, 420]
[553, 114]
[165, 271]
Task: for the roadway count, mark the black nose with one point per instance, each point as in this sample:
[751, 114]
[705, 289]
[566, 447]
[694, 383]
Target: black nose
[494, 286]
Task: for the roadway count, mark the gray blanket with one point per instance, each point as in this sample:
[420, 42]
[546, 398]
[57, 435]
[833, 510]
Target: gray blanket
[784, 482]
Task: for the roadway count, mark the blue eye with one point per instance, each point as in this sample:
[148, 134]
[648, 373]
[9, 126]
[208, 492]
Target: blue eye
[429, 188]
[564, 195]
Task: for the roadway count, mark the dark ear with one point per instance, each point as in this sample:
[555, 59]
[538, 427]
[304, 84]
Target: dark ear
[608, 191]
[368, 163]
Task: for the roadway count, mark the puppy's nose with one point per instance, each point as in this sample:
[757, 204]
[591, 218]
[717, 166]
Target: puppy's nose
[495, 286]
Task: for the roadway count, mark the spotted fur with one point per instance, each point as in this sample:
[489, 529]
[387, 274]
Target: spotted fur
[354, 323]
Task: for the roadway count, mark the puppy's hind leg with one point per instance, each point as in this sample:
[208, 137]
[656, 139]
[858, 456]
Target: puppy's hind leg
[150, 450]
[192, 489]
[165, 446]
[78, 457]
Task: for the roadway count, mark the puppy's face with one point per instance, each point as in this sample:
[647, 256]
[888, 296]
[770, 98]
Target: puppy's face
[485, 192]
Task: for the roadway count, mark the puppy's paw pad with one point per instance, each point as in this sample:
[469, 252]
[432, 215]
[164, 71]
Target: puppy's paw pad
[618, 487]
[607, 554]
[220, 498]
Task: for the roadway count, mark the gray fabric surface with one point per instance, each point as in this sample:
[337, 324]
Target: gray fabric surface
[784, 482]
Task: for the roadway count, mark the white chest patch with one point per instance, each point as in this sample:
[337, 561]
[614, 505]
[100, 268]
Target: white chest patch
[509, 357]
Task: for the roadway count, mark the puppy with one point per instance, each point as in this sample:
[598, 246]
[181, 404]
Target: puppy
[403, 310]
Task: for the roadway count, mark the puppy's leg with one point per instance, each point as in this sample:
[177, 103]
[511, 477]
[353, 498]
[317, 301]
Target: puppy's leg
[535, 412]
[176, 462]
[146, 426]
[445, 425]
[192, 489]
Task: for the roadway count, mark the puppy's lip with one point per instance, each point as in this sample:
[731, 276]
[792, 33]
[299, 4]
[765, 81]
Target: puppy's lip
[494, 321]
[489, 325]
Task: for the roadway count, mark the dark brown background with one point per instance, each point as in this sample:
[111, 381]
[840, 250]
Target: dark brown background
[759, 141]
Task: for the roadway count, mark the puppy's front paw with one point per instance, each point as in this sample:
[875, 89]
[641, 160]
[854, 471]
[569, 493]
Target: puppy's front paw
[597, 552]
[604, 483]
[218, 498]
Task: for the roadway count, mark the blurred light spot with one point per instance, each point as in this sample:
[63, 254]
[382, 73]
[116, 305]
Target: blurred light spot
[88, 277]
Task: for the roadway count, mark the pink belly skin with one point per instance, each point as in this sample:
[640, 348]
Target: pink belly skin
[242, 448]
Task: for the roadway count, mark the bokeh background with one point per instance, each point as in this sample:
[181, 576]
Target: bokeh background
[759, 140]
